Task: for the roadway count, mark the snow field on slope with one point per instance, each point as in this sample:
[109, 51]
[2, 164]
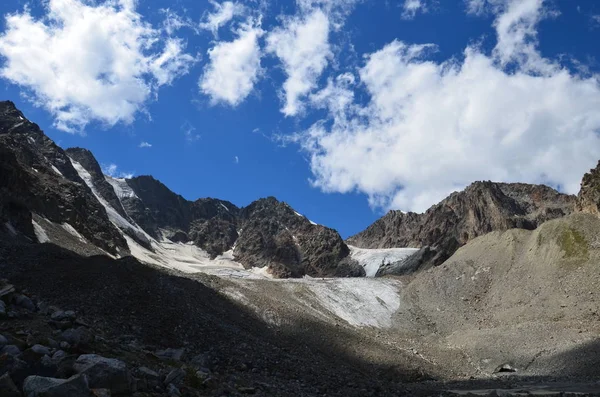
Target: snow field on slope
[372, 259]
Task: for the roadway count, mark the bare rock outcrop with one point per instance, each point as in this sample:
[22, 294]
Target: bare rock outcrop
[588, 199]
[481, 208]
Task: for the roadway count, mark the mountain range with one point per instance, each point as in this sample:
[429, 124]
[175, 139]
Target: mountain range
[119, 286]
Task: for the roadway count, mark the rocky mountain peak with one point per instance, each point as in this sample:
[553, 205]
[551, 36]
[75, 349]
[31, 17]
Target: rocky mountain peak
[588, 199]
[480, 208]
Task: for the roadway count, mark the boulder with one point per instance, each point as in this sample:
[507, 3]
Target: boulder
[2, 309]
[24, 302]
[7, 387]
[61, 315]
[3, 341]
[11, 350]
[170, 354]
[176, 376]
[104, 373]
[77, 336]
[39, 386]
[41, 350]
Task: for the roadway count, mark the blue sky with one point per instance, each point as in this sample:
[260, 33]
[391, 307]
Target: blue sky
[342, 108]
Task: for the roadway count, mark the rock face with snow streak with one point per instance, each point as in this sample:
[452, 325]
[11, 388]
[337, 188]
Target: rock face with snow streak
[45, 190]
[481, 208]
[36, 176]
[276, 236]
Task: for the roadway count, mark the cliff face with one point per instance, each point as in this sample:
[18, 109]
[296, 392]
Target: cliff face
[36, 177]
[481, 208]
[588, 199]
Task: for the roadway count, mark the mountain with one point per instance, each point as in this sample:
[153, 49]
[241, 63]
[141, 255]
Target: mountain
[62, 196]
[37, 179]
[481, 208]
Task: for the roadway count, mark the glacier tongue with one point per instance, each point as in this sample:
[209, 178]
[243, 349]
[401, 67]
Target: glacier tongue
[372, 259]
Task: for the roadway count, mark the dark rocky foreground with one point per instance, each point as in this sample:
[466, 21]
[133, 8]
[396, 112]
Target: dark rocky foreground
[168, 335]
[481, 208]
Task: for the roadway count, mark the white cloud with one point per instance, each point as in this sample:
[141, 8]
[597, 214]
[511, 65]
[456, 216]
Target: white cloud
[476, 7]
[431, 128]
[236, 159]
[85, 62]
[302, 45]
[145, 145]
[234, 66]
[189, 132]
[412, 7]
[224, 12]
[113, 170]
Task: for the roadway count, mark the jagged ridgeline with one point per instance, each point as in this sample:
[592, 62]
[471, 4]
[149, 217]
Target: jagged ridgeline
[62, 196]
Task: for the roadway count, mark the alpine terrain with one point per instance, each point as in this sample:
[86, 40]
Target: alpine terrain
[122, 287]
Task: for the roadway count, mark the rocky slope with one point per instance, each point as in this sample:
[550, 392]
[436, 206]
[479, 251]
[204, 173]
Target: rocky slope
[36, 177]
[479, 209]
[45, 188]
[588, 199]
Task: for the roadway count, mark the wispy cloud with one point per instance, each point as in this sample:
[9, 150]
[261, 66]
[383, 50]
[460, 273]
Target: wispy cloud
[113, 171]
[223, 13]
[145, 145]
[236, 159]
[189, 132]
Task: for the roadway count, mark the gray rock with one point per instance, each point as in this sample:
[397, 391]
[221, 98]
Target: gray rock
[173, 391]
[11, 350]
[77, 336]
[39, 386]
[8, 387]
[41, 350]
[147, 373]
[47, 362]
[61, 315]
[2, 309]
[24, 302]
[104, 373]
[170, 354]
[3, 341]
[58, 355]
[176, 376]
[65, 345]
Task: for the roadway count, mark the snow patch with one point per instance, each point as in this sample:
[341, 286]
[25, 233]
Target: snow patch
[116, 218]
[360, 302]
[223, 205]
[56, 170]
[372, 259]
[40, 233]
[71, 230]
[302, 216]
[31, 140]
[121, 187]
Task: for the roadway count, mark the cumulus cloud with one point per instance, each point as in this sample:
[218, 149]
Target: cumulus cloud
[113, 171]
[302, 45]
[223, 13]
[88, 62]
[430, 128]
[145, 145]
[234, 66]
